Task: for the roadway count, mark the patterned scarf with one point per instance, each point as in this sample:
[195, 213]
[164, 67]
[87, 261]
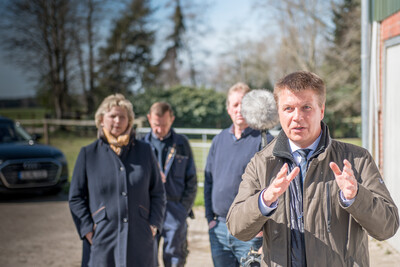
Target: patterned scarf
[116, 144]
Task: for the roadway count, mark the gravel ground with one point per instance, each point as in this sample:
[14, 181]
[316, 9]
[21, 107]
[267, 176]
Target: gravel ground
[38, 231]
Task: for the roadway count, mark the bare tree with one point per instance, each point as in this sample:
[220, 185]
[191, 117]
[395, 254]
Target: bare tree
[169, 64]
[179, 62]
[242, 59]
[37, 35]
[195, 30]
[91, 15]
[302, 28]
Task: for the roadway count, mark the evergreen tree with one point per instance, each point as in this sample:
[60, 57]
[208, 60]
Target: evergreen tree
[343, 68]
[195, 107]
[125, 61]
[168, 67]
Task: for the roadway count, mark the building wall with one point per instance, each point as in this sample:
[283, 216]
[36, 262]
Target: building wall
[389, 28]
[389, 95]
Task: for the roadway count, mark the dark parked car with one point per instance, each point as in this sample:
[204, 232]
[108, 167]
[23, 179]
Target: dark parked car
[26, 166]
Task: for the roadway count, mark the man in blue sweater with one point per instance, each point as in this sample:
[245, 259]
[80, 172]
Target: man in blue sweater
[230, 152]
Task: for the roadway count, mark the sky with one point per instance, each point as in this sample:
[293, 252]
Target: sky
[13, 82]
[232, 15]
[224, 16]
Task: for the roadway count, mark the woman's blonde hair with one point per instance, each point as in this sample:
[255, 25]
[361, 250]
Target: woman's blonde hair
[116, 100]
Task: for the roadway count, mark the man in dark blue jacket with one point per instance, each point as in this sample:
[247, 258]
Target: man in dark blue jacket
[230, 152]
[178, 173]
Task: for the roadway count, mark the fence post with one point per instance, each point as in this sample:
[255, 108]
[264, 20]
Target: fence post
[204, 138]
[46, 131]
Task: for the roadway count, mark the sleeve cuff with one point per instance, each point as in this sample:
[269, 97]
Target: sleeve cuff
[264, 209]
[345, 202]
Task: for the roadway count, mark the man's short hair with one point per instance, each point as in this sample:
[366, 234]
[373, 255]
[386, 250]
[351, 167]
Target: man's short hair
[237, 87]
[301, 80]
[160, 108]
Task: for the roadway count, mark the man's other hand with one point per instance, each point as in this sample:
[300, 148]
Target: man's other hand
[345, 179]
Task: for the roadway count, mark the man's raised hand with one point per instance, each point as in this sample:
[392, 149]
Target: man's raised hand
[345, 179]
[280, 184]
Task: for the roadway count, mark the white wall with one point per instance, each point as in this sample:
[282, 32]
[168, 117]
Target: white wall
[391, 127]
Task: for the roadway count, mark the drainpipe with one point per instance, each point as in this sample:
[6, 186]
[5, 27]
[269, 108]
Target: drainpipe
[365, 43]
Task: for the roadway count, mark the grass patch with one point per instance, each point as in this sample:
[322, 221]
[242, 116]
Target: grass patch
[23, 113]
[199, 201]
[354, 141]
[70, 146]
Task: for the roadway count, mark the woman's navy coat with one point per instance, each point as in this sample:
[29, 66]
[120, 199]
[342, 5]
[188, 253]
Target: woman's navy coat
[121, 196]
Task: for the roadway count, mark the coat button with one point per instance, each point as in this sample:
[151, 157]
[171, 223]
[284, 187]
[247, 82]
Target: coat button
[121, 168]
[125, 220]
[123, 193]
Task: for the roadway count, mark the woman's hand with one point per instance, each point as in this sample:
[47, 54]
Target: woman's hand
[89, 237]
[153, 230]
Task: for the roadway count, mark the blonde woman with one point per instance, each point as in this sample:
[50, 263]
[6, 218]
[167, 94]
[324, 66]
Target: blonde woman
[117, 198]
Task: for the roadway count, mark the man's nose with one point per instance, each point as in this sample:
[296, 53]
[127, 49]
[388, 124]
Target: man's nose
[239, 108]
[297, 114]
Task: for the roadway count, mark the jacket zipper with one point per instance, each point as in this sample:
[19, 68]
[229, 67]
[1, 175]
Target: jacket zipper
[328, 207]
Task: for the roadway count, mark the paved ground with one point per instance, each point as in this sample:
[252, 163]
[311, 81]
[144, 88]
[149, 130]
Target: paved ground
[38, 231]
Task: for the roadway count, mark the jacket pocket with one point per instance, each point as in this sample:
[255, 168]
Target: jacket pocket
[179, 165]
[99, 215]
[145, 226]
[144, 212]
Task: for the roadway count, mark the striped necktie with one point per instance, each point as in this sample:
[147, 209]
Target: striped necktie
[303, 163]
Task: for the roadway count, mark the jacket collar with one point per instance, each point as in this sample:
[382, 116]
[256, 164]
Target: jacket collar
[172, 133]
[282, 148]
[168, 135]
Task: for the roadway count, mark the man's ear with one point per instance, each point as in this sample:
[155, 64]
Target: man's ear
[148, 117]
[172, 119]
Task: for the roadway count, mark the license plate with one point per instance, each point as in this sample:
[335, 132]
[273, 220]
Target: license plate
[33, 175]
